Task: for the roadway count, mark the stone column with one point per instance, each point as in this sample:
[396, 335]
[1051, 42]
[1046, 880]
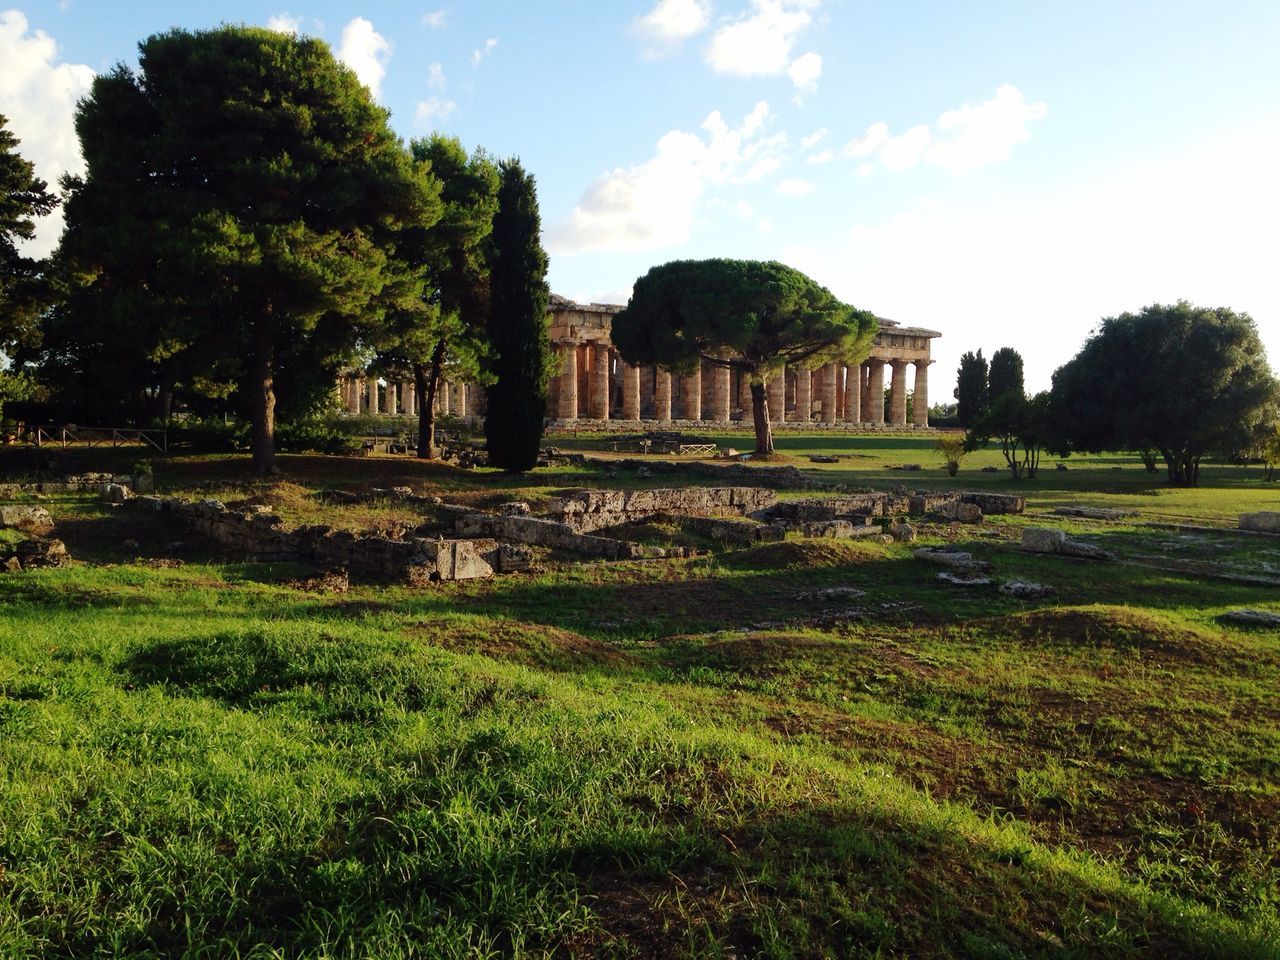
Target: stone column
[599, 402]
[409, 391]
[778, 398]
[393, 398]
[744, 396]
[804, 395]
[371, 392]
[459, 400]
[827, 378]
[920, 402]
[898, 394]
[721, 393]
[853, 394]
[693, 395]
[875, 392]
[630, 392]
[662, 395]
[442, 397]
[355, 389]
[568, 409]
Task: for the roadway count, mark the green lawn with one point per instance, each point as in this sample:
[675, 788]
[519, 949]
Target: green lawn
[706, 757]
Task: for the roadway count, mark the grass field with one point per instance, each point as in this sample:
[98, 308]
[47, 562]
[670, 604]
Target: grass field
[737, 754]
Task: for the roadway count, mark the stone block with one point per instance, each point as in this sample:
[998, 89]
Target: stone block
[994, 503]
[1267, 521]
[1042, 540]
[968, 513]
[26, 517]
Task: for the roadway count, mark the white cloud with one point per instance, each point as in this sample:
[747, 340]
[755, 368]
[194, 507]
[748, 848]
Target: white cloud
[796, 188]
[760, 44]
[483, 51]
[765, 225]
[805, 71]
[434, 109]
[436, 19]
[965, 139]
[813, 139]
[822, 156]
[435, 77]
[653, 204]
[285, 23]
[366, 52]
[38, 95]
[670, 23]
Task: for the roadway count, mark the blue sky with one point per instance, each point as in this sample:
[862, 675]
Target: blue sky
[1007, 173]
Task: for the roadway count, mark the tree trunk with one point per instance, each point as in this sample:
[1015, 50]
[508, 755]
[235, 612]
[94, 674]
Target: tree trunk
[760, 417]
[427, 378]
[262, 386]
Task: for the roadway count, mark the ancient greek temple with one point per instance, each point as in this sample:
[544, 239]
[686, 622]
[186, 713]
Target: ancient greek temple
[596, 388]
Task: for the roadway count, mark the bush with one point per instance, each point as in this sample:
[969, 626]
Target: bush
[951, 446]
[209, 436]
[313, 434]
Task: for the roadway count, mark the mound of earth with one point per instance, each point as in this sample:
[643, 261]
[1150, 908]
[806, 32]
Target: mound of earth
[802, 554]
[535, 645]
[1110, 626]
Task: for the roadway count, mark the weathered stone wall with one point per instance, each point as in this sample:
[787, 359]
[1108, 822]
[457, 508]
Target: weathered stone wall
[558, 536]
[82, 483]
[587, 510]
[265, 535]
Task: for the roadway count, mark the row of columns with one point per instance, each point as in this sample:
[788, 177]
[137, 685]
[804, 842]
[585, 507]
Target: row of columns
[391, 398]
[843, 392]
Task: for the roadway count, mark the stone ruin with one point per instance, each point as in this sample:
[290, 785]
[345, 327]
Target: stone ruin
[482, 543]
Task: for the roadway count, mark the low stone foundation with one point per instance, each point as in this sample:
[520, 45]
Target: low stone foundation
[587, 510]
[81, 483]
[264, 535]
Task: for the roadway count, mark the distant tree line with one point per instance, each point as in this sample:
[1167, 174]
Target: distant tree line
[247, 226]
[1173, 383]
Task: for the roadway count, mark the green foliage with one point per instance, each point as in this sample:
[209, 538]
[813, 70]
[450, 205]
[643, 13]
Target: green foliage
[24, 286]
[971, 394]
[238, 217]
[750, 315]
[323, 435]
[1025, 426]
[209, 435]
[15, 386]
[1005, 374]
[443, 336]
[1182, 380]
[952, 447]
[517, 398]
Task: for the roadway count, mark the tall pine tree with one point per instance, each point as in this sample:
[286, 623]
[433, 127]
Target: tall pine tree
[521, 348]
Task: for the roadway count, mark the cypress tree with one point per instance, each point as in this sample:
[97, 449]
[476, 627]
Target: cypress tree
[971, 389]
[521, 348]
[1005, 375]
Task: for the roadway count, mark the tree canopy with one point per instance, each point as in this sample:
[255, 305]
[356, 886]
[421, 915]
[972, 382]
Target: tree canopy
[971, 388]
[749, 315]
[262, 192]
[24, 197]
[1185, 381]
[445, 333]
[1005, 375]
[520, 345]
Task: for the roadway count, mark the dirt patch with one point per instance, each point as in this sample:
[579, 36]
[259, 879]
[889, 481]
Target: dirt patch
[802, 554]
[546, 647]
[330, 581]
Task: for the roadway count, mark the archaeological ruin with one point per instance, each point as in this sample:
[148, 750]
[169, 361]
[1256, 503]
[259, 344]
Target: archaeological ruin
[597, 389]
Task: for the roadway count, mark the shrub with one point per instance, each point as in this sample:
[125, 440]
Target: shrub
[951, 446]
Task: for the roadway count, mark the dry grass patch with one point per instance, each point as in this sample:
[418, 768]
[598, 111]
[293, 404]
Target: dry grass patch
[535, 645]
